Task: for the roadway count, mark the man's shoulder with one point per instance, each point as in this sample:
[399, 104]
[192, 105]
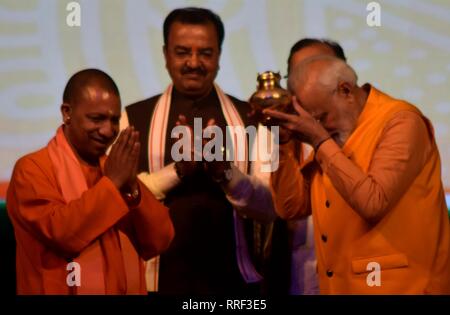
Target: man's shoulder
[391, 105]
[243, 107]
[138, 113]
[34, 161]
[238, 102]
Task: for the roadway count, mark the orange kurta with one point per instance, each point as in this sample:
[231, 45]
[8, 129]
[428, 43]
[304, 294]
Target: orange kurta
[50, 232]
[379, 170]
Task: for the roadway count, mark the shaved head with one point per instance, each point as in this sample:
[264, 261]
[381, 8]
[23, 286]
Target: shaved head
[82, 83]
[323, 72]
[91, 113]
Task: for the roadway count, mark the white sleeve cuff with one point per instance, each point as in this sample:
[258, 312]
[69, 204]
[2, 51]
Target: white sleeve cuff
[160, 182]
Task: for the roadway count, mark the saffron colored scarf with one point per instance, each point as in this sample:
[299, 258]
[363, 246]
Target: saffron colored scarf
[109, 264]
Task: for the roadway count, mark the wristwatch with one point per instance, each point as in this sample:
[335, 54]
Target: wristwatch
[132, 197]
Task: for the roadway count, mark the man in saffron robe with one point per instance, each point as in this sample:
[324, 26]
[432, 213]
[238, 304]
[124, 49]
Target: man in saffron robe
[373, 184]
[83, 221]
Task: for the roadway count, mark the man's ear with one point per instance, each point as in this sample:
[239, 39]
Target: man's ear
[166, 53]
[345, 88]
[66, 111]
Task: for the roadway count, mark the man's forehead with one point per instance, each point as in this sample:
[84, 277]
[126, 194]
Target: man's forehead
[309, 77]
[182, 26]
[99, 99]
[184, 33]
[107, 109]
[312, 96]
[97, 93]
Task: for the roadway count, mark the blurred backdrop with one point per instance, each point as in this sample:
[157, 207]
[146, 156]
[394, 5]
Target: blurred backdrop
[407, 56]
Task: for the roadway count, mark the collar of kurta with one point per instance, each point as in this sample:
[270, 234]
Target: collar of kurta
[158, 129]
[370, 105]
[199, 103]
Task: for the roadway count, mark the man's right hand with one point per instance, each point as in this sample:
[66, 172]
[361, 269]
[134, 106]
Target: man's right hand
[302, 125]
[183, 168]
[285, 135]
[121, 165]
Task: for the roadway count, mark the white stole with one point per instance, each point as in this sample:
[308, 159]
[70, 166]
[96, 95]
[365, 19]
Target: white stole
[156, 150]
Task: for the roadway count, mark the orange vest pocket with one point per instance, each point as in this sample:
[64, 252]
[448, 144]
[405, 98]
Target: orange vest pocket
[361, 265]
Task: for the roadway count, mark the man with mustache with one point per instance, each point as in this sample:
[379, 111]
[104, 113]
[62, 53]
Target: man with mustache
[83, 221]
[215, 249]
[373, 184]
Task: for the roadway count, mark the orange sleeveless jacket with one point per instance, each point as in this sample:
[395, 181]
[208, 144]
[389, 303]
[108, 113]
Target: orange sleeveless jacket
[410, 243]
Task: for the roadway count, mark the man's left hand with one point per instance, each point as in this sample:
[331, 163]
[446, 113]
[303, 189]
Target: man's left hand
[216, 169]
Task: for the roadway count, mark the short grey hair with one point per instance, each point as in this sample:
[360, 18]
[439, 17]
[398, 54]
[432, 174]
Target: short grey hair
[333, 72]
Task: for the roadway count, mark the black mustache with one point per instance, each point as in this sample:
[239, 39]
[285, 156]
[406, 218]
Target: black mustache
[199, 71]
